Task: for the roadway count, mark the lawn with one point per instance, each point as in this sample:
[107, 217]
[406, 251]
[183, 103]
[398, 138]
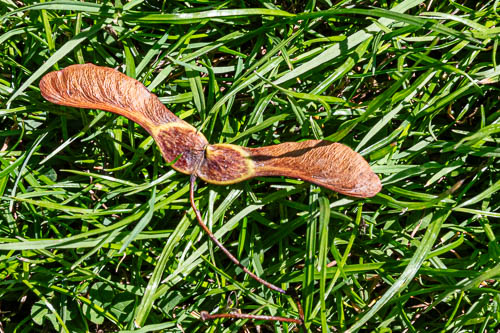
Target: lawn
[97, 232]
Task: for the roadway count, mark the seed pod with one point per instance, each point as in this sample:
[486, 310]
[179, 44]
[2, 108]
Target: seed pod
[331, 165]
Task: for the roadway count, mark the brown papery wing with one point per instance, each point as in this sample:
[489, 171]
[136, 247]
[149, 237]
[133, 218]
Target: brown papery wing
[95, 87]
[328, 164]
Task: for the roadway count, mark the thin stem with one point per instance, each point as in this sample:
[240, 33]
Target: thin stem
[219, 244]
[206, 316]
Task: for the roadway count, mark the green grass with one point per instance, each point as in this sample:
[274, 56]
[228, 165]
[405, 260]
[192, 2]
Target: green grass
[96, 231]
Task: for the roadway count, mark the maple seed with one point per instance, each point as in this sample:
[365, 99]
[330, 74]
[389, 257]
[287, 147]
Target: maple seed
[327, 164]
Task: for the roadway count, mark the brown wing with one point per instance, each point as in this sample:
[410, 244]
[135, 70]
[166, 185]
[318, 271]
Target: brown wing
[328, 164]
[331, 165]
[94, 87]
